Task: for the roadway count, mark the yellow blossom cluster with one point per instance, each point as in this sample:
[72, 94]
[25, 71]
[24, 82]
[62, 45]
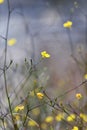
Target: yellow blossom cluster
[49, 119]
[75, 128]
[44, 54]
[44, 126]
[19, 108]
[78, 96]
[85, 76]
[71, 117]
[67, 24]
[83, 116]
[11, 42]
[1, 1]
[16, 117]
[59, 117]
[40, 95]
[32, 123]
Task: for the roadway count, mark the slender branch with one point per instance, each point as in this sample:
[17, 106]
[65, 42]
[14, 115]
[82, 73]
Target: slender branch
[5, 68]
[70, 90]
[2, 37]
[70, 41]
[25, 78]
[86, 29]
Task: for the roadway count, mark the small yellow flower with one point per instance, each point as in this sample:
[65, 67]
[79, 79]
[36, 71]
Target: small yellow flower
[32, 123]
[44, 126]
[1, 1]
[11, 42]
[40, 95]
[67, 24]
[85, 76]
[49, 119]
[19, 108]
[75, 128]
[59, 117]
[16, 117]
[83, 116]
[71, 117]
[44, 54]
[78, 96]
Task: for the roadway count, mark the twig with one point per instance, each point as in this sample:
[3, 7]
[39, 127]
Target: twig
[5, 69]
[70, 90]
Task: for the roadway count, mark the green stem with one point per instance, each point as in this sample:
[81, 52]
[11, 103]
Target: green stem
[4, 69]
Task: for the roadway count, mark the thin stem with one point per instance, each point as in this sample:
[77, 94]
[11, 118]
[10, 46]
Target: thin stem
[86, 30]
[26, 117]
[70, 90]
[70, 41]
[2, 37]
[5, 69]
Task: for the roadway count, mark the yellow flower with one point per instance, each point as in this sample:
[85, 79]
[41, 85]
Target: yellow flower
[44, 54]
[16, 117]
[59, 117]
[67, 24]
[71, 117]
[44, 126]
[75, 128]
[49, 119]
[78, 96]
[32, 123]
[1, 1]
[19, 108]
[85, 76]
[11, 42]
[83, 116]
[40, 95]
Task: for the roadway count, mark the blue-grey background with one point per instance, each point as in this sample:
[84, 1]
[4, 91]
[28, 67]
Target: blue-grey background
[37, 25]
[40, 23]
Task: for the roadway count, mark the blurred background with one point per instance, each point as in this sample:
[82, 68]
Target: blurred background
[37, 25]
